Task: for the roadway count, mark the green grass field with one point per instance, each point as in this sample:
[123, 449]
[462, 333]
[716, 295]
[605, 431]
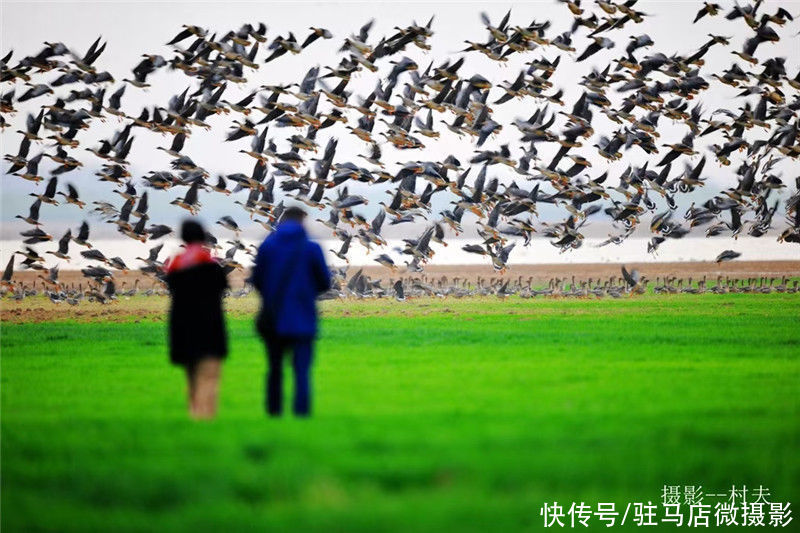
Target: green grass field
[458, 415]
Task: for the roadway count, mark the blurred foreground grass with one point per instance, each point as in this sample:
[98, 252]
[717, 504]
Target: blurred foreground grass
[430, 415]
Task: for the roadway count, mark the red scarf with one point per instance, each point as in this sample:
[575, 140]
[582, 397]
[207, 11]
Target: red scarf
[194, 254]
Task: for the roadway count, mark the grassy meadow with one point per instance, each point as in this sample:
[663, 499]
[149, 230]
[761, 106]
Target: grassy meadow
[430, 415]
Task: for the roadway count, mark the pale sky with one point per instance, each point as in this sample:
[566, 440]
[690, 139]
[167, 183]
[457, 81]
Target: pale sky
[134, 28]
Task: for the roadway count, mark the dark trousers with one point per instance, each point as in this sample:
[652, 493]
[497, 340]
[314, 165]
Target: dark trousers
[301, 364]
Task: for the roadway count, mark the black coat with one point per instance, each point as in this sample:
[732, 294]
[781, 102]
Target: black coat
[196, 322]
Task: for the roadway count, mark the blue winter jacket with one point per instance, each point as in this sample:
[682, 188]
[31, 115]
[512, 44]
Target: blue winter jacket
[308, 277]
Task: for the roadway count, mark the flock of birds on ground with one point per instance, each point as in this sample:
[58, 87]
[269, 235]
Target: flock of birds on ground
[411, 105]
[361, 286]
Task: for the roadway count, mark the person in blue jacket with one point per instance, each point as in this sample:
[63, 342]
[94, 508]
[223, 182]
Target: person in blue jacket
[289, 273]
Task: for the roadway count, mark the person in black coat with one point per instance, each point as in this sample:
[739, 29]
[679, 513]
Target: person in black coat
[197, 336]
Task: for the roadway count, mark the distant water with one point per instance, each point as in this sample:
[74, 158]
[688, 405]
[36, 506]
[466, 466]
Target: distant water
[539, 251]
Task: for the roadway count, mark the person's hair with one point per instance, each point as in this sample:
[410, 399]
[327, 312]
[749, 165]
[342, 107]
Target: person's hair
[294, 213]
[192, 231]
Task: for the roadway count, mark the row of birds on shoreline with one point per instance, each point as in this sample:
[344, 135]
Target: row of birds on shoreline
[410, 102]
[361, 286]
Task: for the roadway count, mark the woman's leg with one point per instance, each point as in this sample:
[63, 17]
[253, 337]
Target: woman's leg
[207, 383]
[191, 386]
